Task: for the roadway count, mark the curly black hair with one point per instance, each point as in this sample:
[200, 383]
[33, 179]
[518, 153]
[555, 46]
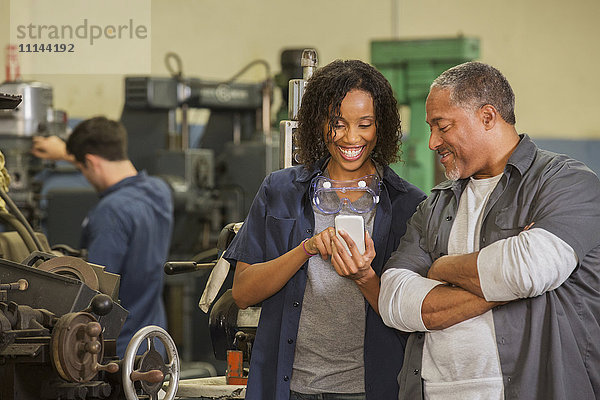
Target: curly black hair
[321, 104]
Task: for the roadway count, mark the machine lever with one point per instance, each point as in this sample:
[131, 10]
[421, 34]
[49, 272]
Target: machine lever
[21, 285]
[154, 376]
[101, 304]
[111, 368]
[181, 267]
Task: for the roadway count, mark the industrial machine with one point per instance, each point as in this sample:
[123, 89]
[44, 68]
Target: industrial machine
[287, 127]
[35, 115]
[215, 173]
[63, 346]
[214, 177]
[59, 320]
[232, 331]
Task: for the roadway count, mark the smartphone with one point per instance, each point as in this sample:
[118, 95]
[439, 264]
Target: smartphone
[354, 225]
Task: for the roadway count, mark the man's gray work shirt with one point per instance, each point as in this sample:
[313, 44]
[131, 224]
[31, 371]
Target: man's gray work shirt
[549, 345]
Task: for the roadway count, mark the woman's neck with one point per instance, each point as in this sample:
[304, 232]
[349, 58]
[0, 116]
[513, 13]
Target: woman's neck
[340, 174]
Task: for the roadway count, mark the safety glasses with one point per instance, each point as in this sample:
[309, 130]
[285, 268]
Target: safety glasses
[331, 196]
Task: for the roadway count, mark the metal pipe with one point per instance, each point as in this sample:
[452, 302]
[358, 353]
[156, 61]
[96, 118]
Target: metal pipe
[185, 128]
[11, 220]
[266, 124]
[309, 63]
[17, 213]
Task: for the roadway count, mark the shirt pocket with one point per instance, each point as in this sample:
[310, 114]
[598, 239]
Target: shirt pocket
[279, 236]
[510, 221]
[430, 244]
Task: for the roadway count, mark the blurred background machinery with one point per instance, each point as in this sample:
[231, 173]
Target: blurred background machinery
[214, 167]
[59, 320]
[214, 175]
[34, 116]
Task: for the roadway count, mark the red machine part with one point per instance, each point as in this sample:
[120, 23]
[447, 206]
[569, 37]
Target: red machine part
[235, 368]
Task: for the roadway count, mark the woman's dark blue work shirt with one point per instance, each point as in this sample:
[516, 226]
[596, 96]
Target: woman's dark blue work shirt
[281, 217]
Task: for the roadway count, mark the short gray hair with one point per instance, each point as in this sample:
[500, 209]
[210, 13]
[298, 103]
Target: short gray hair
[474, 84]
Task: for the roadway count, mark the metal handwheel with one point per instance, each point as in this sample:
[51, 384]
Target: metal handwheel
[150, 369]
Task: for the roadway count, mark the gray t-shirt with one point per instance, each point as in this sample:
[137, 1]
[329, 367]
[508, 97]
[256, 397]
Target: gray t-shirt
[329, 347]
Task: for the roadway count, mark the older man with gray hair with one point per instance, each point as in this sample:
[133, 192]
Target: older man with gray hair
[498, 275]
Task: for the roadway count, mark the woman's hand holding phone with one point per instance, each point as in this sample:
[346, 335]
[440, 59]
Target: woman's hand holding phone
[355, 262]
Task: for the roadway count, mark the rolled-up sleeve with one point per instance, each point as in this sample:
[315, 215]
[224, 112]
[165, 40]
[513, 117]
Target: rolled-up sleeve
[401, 298]
[526, 265]
[404, 284]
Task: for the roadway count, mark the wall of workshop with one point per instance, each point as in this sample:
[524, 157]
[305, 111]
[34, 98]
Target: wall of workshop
[548, 49]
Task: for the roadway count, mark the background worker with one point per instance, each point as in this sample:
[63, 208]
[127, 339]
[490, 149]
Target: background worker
[129, 230]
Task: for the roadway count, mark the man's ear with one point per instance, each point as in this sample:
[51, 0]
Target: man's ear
[91, 161]
[489, 116]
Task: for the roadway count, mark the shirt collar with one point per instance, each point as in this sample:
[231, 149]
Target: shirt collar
[308, 174]
[523, 156]
[385, 172]
[521, 159]
[124, 182]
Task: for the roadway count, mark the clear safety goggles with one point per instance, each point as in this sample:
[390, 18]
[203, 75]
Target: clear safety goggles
[326, 194]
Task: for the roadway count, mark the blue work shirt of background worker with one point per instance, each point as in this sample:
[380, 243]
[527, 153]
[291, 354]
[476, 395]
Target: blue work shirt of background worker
[281, 216]
[129, 232]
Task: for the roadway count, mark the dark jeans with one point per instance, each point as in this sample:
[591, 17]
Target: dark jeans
[327, 396]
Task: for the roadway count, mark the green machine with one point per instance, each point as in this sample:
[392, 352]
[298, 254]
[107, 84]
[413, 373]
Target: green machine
[411, 66]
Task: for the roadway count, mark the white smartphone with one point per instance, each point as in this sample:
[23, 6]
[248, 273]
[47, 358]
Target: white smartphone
[354, 225]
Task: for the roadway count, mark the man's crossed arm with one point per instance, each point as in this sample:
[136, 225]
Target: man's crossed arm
[460, 287]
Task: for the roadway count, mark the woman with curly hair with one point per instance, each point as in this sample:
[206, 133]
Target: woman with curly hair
[320, 335]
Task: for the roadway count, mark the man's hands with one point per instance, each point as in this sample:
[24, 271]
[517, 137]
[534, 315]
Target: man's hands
[459, 270]
[50, 148]
[461, 298]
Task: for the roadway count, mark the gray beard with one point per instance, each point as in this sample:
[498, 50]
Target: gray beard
[453, 173]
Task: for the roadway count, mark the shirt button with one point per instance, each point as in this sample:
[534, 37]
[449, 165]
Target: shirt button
[286, 378]
[449, 218]
[309, 231]
[296, 304]
[420, 336]
[483, 240]
[416, 372]
[509, 379]
[290, 341]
